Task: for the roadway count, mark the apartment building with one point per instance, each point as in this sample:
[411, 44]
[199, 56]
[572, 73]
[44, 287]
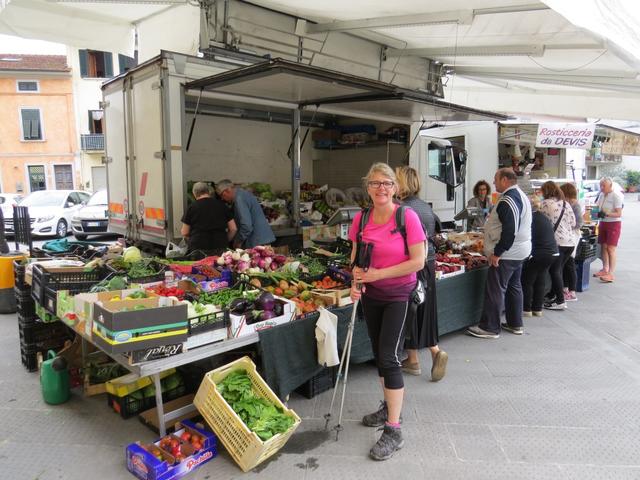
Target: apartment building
[38, 146]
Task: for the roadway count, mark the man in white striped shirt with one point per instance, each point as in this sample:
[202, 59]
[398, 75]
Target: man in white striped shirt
[507, 243]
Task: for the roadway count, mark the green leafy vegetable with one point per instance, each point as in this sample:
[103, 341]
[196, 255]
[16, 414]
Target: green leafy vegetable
[259, 414]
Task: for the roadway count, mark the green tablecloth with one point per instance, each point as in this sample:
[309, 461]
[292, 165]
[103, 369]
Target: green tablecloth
[289, 351]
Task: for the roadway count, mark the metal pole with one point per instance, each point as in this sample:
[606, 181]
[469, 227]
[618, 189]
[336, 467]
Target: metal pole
[295, 170]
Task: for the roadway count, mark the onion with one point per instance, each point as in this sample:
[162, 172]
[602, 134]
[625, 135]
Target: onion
[242, 266]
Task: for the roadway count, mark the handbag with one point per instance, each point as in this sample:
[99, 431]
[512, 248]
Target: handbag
[418, 294]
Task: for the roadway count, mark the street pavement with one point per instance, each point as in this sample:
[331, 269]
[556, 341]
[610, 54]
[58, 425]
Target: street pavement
[559, 402]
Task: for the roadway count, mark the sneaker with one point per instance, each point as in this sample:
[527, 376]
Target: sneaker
[478, 332]
[608, 278]
[514, 330]
[555, 306]
[439, 367]
[601, 273]
[389, 443]
[377, 418]
[527, 314]
[570, 297]
[537, 314]
[411, 368]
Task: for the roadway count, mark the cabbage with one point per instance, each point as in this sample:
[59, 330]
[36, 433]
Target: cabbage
[131, 255]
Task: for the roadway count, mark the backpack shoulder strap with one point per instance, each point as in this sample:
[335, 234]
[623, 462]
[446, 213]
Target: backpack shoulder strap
[364, 219]
[401, 226]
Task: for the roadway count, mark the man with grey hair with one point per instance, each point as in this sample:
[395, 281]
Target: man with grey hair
[610, 203]
[507, 243]
[207, 224]
[253, 228]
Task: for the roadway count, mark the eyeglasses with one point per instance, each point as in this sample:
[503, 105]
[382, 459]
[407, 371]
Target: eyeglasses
[376, 184]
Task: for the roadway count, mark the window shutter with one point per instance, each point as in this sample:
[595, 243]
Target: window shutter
[84, 71]
[122, 63]
[26, 125]
[31, 124]
[108, 64]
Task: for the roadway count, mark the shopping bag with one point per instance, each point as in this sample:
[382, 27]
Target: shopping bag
[174, 251]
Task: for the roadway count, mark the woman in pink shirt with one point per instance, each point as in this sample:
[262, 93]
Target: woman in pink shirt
[386, 286]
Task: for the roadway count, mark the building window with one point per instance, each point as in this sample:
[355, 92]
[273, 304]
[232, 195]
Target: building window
[126, 63]
[31, 124]
[95, 64]
[28, 86]
[64, 177]
[37, 178]
[95, 121]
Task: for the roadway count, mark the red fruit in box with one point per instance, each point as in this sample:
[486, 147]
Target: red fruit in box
[180, 458]
[174, 443]
[185, 436]
[195, 439]
[197, 446]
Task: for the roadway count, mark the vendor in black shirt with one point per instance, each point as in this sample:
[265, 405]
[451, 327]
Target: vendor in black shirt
[208, 224]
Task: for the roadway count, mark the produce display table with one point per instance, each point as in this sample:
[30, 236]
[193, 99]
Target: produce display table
[460, 300]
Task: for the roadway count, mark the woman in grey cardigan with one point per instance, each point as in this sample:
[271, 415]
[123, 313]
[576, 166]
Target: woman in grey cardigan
[481, 199]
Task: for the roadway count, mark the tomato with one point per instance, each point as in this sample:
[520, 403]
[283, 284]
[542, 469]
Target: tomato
[185, 436]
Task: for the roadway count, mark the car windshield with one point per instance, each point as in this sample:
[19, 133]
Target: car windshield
[98, 198]
[44, 198]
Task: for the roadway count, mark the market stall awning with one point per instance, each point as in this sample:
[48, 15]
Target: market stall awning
[309, 87]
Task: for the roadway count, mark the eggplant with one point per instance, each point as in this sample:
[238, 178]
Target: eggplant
[278, 309]
[238, 306]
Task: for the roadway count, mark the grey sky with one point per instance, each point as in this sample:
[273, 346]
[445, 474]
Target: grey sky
[9, 44]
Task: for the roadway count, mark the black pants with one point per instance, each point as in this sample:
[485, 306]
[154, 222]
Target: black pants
[534, 274]
[503, 292]
[557, 282]
[422, 325]
[569, 274]
[386, 323]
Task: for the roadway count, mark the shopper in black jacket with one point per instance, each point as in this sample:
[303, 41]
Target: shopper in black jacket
[422, 329]
[544, 252]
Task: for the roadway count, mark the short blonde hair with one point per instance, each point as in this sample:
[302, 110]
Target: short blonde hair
[382, 169]
[408, 182]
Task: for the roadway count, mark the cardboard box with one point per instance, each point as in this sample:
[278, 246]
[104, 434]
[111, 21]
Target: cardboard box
[144, 465]
[130, 325]
[155, 353]
[130, 383]
[150, 417]
[238, 326]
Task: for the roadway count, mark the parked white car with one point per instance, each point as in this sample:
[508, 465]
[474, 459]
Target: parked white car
[51, 211]
[92, 218]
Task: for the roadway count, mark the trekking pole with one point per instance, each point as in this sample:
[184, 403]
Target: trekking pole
[344, 364]
[363, 259]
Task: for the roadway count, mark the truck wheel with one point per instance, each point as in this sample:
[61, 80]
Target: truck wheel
[61, 229]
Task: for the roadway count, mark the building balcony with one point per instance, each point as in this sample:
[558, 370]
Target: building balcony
[92, 142]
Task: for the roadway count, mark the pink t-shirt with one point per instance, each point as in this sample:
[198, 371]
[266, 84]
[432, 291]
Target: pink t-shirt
[388, 251]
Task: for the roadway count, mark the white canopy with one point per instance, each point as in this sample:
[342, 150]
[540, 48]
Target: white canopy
[577, 58]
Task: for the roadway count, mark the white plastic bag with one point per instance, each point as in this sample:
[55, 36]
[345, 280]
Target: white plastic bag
[174, 251]
[327, 338]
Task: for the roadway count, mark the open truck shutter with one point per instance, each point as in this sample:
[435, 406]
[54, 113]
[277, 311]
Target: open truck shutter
[308, 87]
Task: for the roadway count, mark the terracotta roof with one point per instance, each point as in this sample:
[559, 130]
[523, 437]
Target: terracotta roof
[43, 63]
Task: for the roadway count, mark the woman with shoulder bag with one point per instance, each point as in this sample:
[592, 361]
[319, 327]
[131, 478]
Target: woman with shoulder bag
[558, 210]
[422, 331]
[384, 290]
[569, 272]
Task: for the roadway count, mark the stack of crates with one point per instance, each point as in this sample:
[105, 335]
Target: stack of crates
[35, 336]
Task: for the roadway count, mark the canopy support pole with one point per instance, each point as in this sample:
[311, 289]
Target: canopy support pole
[295, 170]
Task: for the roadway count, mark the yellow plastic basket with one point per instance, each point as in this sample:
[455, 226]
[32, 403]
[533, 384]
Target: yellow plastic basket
[246, 448]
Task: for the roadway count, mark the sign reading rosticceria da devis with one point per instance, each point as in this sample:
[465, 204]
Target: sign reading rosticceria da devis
[565, 135]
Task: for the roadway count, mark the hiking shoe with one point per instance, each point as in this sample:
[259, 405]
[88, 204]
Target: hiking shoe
[608, 278]
[478, 332]
[439, 367]
[514, 330]
[537, 314]
[411, 368]
[555, 306]
[377, 418]
[601, 273]
[571, 297]
[527, 314]
[389, 443]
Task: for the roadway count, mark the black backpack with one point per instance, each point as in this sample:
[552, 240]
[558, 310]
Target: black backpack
[401, 226]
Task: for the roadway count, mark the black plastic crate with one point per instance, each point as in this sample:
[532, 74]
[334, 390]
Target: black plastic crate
[319, 383]
[210, 321]
[30, 320]
[19, 270]
[43, 333]
[133, 404]
[43, 346]
[30, 361]
[27, 310]
[22, 295]
[587, 248]
[46, 284]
